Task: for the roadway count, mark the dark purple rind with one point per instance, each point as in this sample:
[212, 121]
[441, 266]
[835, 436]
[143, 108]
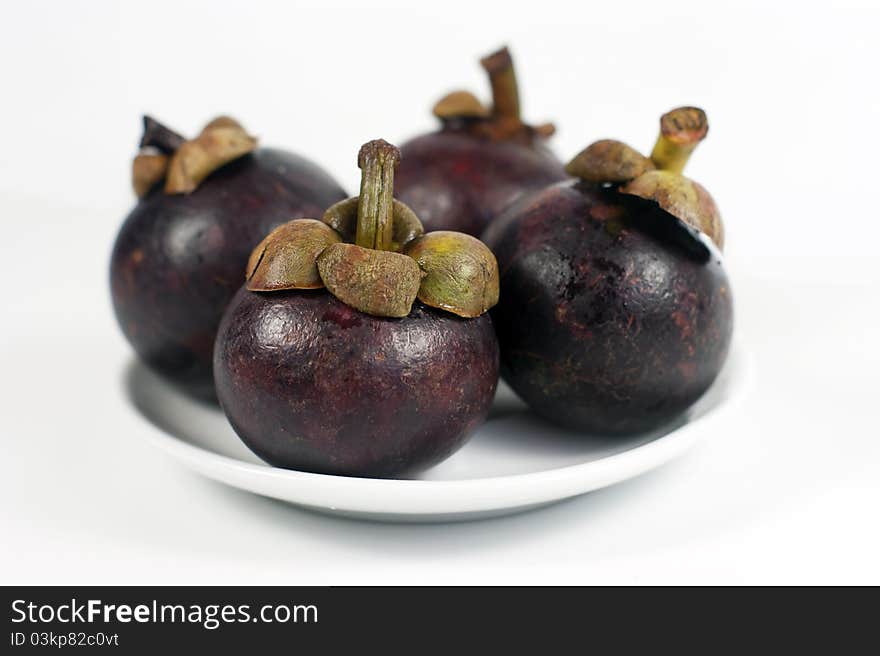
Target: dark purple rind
[179, 259]
[613, 318]
[312, 384]
[456, 181]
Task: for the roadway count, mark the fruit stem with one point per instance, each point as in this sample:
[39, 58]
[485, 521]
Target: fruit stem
[160, 137]
[505, 91]
[377, 160]
[680, 131]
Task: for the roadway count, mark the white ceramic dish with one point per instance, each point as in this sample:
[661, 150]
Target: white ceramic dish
[514, 462]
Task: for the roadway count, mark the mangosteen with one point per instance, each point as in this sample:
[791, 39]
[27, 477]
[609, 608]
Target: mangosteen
[463, 175]
[616, 313]
[203, 206]
[359, 345]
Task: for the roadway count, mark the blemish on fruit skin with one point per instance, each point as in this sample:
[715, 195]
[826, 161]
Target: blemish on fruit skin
[579, 328]
[605, 212]
[342, 317]
[683, 323]
[137, 256]
[462, 167]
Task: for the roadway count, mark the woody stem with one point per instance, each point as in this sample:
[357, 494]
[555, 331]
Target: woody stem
[377, 161]
[505, 91]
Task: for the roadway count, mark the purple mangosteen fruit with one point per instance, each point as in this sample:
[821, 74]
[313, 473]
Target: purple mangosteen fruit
[360, 345]
[203, 206]
[616, 313]
[462, 176]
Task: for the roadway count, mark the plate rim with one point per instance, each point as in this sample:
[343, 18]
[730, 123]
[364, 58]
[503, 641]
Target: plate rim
[413, 497]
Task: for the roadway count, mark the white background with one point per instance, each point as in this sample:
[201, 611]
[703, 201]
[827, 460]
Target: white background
[790, 494]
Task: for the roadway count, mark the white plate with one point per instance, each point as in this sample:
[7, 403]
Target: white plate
[514, 462]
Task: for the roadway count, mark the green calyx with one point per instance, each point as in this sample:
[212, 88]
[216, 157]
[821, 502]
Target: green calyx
[371, 253]
[658, 177]
[287, 257]
[343, 218]
[461, 273]
[381, 283]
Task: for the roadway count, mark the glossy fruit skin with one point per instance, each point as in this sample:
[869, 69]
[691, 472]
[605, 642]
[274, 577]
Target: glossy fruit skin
[179, 259]
[609, 321]
[312, 384]
[455, 180]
